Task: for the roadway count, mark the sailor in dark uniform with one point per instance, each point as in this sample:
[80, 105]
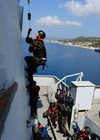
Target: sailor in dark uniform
[52, 113]
[62, 118]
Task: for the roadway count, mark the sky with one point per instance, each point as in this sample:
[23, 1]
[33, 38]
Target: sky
[62, 19]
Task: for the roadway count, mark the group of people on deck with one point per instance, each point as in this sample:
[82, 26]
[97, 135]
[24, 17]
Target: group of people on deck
[59, 112]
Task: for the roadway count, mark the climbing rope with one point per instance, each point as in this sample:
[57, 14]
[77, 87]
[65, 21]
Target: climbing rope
[29, 13]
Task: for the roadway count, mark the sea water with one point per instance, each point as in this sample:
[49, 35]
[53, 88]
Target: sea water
[64, 60]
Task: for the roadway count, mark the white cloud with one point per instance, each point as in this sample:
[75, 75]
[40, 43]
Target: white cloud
[50, 21]
[90, 7]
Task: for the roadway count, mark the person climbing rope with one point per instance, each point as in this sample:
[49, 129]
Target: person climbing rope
[37, 48]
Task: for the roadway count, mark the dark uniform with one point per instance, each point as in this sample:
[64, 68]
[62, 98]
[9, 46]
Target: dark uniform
[37, 48]
[62, 118]
[39, 52]
[69, 104]
[52, 112]
[33, 99]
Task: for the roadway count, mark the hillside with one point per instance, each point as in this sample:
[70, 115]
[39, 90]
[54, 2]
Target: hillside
[83, 41]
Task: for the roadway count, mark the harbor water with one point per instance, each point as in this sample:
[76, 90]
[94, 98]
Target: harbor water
[64, 60]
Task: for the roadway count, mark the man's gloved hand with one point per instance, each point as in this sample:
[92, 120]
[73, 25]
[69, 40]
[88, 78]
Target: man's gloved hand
[29, 30]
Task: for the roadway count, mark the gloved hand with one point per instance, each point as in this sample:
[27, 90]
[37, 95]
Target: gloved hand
[29, 30]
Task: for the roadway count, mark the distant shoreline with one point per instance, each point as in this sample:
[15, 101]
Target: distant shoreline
[80, 46]
[73, 45]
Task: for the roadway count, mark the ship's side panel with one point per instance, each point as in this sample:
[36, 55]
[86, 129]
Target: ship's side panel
[97, 92]
[84, 97]
[12, 69]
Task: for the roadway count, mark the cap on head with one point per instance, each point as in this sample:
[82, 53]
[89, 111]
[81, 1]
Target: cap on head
[41, 34]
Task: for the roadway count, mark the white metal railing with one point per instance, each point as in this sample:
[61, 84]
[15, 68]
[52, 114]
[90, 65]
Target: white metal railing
[53, 88]
[79, 78]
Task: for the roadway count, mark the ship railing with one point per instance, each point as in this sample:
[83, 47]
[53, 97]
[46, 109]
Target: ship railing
[79, 78]
[61, 84]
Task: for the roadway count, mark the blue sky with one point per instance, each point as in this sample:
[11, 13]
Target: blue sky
[63, 19]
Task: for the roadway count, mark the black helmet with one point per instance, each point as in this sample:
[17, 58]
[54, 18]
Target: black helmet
[34, 82]
[41, 34]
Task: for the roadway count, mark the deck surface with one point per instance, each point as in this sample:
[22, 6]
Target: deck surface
[93, 114]
[42, 106]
